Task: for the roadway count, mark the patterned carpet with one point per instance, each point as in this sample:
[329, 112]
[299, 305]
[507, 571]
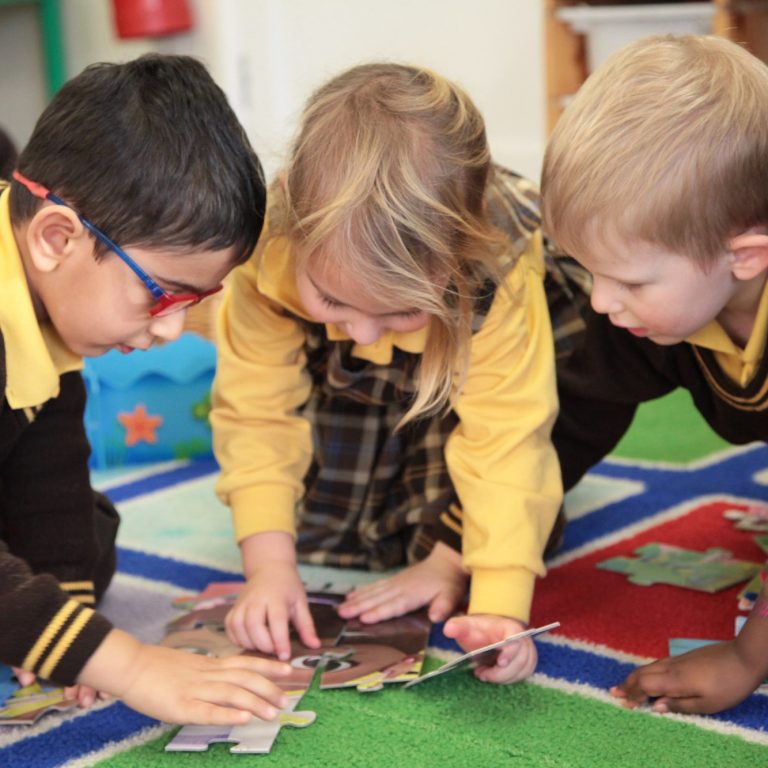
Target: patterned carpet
[176, 538]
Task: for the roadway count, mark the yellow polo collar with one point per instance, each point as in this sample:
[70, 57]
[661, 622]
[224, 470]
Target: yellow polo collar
[740, 365]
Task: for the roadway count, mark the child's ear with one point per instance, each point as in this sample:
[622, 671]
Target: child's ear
[53, 234]
[749, 254]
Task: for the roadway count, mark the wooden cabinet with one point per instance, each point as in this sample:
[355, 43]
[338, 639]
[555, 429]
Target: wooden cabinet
[744, 21]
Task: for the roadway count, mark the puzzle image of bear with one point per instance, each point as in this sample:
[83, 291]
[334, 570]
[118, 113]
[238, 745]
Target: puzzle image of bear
[708, 571]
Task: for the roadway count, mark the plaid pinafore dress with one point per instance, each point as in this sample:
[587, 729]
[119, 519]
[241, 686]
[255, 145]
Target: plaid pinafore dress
[376, 498]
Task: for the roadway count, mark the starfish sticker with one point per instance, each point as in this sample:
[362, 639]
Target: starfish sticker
[139, 426]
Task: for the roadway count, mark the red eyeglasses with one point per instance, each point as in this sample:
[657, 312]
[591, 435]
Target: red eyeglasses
[165, 303]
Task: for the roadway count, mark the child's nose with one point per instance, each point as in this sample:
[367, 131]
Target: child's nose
[168, 327]
[364, 330]
[603, 297]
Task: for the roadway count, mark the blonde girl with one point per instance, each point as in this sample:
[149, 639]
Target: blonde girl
[385, 387]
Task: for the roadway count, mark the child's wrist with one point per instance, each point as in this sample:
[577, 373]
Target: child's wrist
[112, 666]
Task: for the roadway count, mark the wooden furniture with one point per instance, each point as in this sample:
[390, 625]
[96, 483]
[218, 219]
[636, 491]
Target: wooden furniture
[744, 21]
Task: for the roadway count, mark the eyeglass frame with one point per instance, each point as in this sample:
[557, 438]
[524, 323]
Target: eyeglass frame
[165, 302]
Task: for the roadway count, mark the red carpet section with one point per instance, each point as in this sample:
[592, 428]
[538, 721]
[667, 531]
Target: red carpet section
[603, 607]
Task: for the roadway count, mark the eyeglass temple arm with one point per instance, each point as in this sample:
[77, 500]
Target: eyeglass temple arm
[41, 191]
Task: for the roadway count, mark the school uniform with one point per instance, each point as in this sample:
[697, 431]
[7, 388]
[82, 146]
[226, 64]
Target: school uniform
[611, 372]
[56, 536]
[304, 424]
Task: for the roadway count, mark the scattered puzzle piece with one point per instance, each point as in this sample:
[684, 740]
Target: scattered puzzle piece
[708, 571]
[27, 705]
[255, 737]
[751, 518]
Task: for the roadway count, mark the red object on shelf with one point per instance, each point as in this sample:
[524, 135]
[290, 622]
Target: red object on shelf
[151, 18]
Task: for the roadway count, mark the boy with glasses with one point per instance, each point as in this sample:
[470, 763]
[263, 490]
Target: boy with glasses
[151, 153]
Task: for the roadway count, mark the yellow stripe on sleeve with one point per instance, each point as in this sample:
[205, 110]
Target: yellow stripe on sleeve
[53, 628]
[54, 657]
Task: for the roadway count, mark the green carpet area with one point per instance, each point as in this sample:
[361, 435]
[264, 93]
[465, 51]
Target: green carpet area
[669, 429]
[460, 722]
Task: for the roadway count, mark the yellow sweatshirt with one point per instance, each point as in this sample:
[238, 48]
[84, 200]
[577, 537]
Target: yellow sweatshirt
[500, 458]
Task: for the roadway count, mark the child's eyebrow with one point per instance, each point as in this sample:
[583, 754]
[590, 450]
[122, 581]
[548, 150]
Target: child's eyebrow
[179, 286]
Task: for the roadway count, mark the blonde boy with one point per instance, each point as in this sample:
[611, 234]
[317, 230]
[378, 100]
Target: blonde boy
[655, 180]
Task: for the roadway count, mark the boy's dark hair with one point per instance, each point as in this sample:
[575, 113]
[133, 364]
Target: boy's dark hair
[8, 155]
[152, 153]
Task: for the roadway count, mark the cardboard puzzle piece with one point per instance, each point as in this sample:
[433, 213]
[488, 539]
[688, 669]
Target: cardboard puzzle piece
[750, 518]
[708, 571]
[482, 656]
[27, 705]
[255, 737]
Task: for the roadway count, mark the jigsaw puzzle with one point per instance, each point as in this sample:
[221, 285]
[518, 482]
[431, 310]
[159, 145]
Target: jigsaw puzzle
[255, 737]
[363, 656]
[708, 571]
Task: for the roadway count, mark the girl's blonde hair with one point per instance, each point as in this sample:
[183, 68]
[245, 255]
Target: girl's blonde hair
[667, 142]
[386, 183]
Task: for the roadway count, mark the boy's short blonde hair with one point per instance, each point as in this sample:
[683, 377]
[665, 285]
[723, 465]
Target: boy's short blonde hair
[666, 142]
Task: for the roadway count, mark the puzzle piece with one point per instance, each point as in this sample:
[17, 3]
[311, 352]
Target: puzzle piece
[751, 518]
[482, 656]
[255, 737]
[708, 571]
[27, 705]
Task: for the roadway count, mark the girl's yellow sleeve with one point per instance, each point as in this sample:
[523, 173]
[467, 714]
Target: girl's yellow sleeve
[261, 443]
[500, 457]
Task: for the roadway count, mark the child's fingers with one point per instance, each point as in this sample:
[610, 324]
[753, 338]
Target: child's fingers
[441, 608]
[397, 605]
[23, 676]
[369, 601]
[467, 633]
[279, 631]
[258, 665]
[305, 626]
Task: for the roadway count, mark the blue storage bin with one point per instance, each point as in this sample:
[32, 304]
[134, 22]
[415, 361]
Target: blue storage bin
[150, 406]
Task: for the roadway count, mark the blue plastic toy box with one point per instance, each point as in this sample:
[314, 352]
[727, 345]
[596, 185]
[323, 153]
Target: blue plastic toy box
[150, 406]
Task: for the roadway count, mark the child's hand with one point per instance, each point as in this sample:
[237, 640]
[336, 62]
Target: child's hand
[703, 681]
[438, 581]
[515, 662]
[273, 597]
[181, 687]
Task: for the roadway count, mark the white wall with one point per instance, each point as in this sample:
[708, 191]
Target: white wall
[269, 55]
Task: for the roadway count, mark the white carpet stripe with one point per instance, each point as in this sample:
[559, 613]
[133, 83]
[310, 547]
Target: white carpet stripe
[170, 490]
[708, 461]
[672, 513]
[111, 480]
[706, 723]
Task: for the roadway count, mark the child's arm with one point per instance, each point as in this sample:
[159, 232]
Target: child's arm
[180, 687]
[264, 447]
[83, 648]
[273, 597]
[708, 679]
